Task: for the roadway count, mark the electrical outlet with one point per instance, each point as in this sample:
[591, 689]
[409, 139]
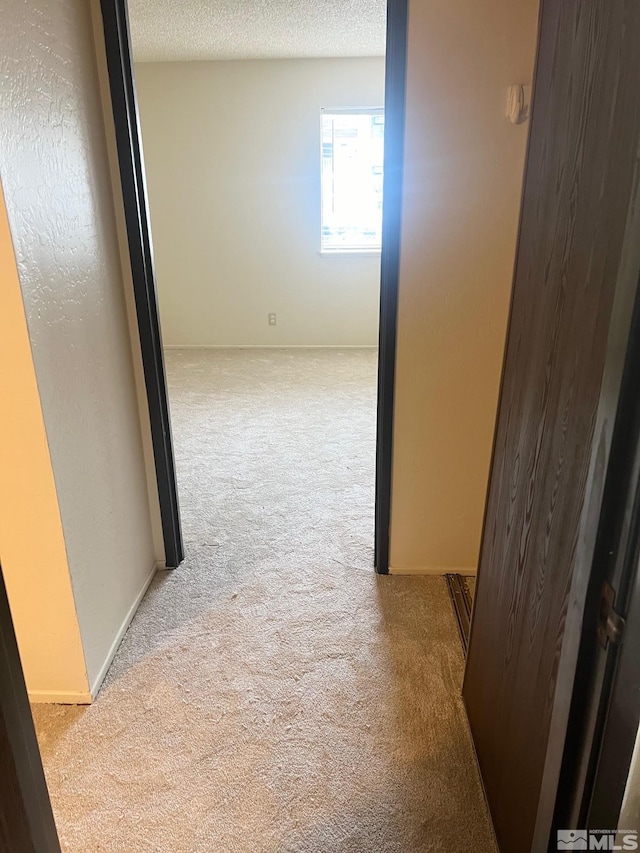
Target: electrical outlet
[272, 319]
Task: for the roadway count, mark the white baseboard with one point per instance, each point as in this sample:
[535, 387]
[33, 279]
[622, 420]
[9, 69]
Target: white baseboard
[270, 346]
[430, 570]
[122, 630]
[59, 697]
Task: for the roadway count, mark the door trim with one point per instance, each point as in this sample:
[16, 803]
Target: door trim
[605, 703]
[136, 210]
[395, 113]
[26, 818]
[132, 177]
[613, 750]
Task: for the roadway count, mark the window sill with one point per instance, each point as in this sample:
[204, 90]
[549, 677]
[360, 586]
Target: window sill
[340, 253]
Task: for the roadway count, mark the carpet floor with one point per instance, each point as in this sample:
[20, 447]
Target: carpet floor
[273, 695]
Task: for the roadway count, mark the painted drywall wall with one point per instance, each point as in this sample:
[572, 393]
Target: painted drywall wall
[32, 549]
[630, 812]
[462, 187]
[54, 166]
[232, 153]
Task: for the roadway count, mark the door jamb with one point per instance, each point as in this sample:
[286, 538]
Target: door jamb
[559, 788]
[395, 113]
[132, 177]
[136, 210]
[597, 752]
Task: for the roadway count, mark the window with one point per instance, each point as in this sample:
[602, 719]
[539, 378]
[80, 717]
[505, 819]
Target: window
[352, 157]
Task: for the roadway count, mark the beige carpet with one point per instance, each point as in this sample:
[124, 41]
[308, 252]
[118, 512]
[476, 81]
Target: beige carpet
[273, 695]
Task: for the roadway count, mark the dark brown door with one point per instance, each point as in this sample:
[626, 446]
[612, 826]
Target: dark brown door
[574, 239]
[26, 820]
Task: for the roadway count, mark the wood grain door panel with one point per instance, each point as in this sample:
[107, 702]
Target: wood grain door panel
[584, 133]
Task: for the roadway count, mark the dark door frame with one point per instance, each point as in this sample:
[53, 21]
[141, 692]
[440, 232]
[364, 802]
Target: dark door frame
[619, 709]
[395, 112]
[136, 210]
[132, 176]
[620, 713]
[26, 819]
[605, 705]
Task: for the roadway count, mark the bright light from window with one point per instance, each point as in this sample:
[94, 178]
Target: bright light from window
[352, 157]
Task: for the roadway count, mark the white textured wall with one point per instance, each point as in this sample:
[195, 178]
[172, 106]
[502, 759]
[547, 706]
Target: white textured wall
[232, 152]
[630, 811]
[463, 177]
[54, 166]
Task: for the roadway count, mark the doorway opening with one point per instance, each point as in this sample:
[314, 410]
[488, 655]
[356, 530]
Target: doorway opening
[281, 222]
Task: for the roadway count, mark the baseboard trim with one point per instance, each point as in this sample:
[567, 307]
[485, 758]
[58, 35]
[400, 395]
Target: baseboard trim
[462, 603]
[430, 570]
[58, 697]
[97, 682]
[61, 697]
[270, 346]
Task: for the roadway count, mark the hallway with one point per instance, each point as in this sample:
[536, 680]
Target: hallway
[273, 693]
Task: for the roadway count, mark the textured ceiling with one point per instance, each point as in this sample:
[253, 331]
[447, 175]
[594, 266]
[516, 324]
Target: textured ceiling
[171, 30]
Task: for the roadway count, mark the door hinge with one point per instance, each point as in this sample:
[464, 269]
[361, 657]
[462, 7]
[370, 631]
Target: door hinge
[610, 622]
